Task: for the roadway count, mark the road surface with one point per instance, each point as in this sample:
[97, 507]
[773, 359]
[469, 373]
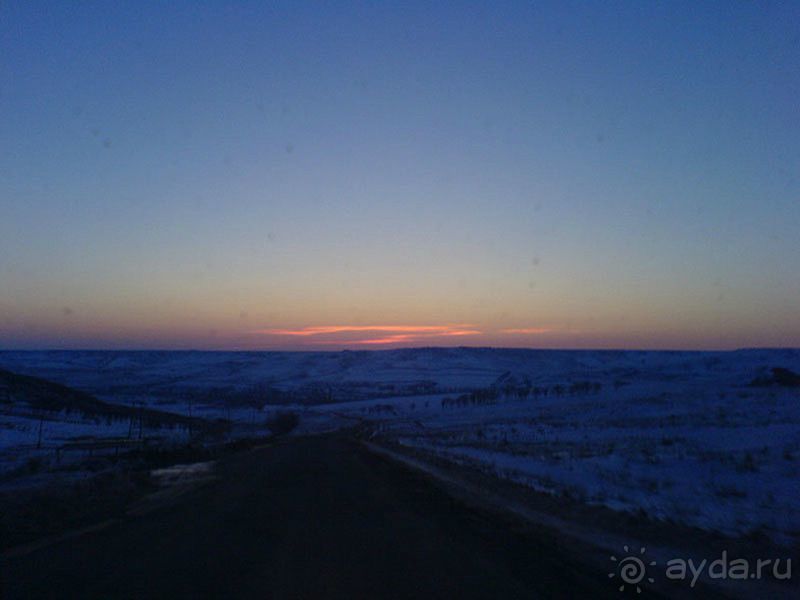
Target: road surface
[307, 518]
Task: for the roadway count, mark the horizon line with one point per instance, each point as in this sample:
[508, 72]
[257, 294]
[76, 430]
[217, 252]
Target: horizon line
[333, 351]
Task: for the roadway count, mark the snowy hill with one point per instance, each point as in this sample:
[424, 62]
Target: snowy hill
[37, 417]
[708, 439]
[316, 377]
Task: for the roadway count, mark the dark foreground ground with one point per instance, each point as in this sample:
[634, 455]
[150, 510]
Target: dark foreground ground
[308, 518]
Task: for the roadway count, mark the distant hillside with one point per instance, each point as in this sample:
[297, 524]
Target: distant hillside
[248, 379]
[24, 391]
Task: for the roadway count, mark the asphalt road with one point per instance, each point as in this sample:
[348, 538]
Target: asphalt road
[308, 518]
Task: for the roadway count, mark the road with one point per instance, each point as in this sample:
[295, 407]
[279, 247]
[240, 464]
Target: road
[307, 518]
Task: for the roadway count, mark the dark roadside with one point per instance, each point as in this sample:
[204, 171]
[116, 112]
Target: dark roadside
[44, 505]
[307, 518]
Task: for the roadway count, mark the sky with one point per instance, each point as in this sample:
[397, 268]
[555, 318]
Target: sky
[252, 175]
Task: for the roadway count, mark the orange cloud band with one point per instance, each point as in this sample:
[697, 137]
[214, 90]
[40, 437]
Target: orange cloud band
[327, 329]
[397, 333]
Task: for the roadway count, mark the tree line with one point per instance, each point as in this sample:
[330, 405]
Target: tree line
[491, 395]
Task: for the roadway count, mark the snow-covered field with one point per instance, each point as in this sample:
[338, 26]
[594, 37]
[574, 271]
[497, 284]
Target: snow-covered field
[717, 462]
[687, 440]
[678, 436]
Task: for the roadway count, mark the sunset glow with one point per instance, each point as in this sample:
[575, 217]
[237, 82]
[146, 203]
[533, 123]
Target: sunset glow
[399, 334]
[408, 329]
[369, 175]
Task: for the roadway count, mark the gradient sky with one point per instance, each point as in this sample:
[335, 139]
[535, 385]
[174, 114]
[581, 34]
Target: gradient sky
[328, 175]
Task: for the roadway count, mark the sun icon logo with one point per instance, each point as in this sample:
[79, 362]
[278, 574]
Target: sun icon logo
[631, 569]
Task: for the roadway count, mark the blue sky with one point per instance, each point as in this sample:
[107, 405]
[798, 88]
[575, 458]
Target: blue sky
[209, 175]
